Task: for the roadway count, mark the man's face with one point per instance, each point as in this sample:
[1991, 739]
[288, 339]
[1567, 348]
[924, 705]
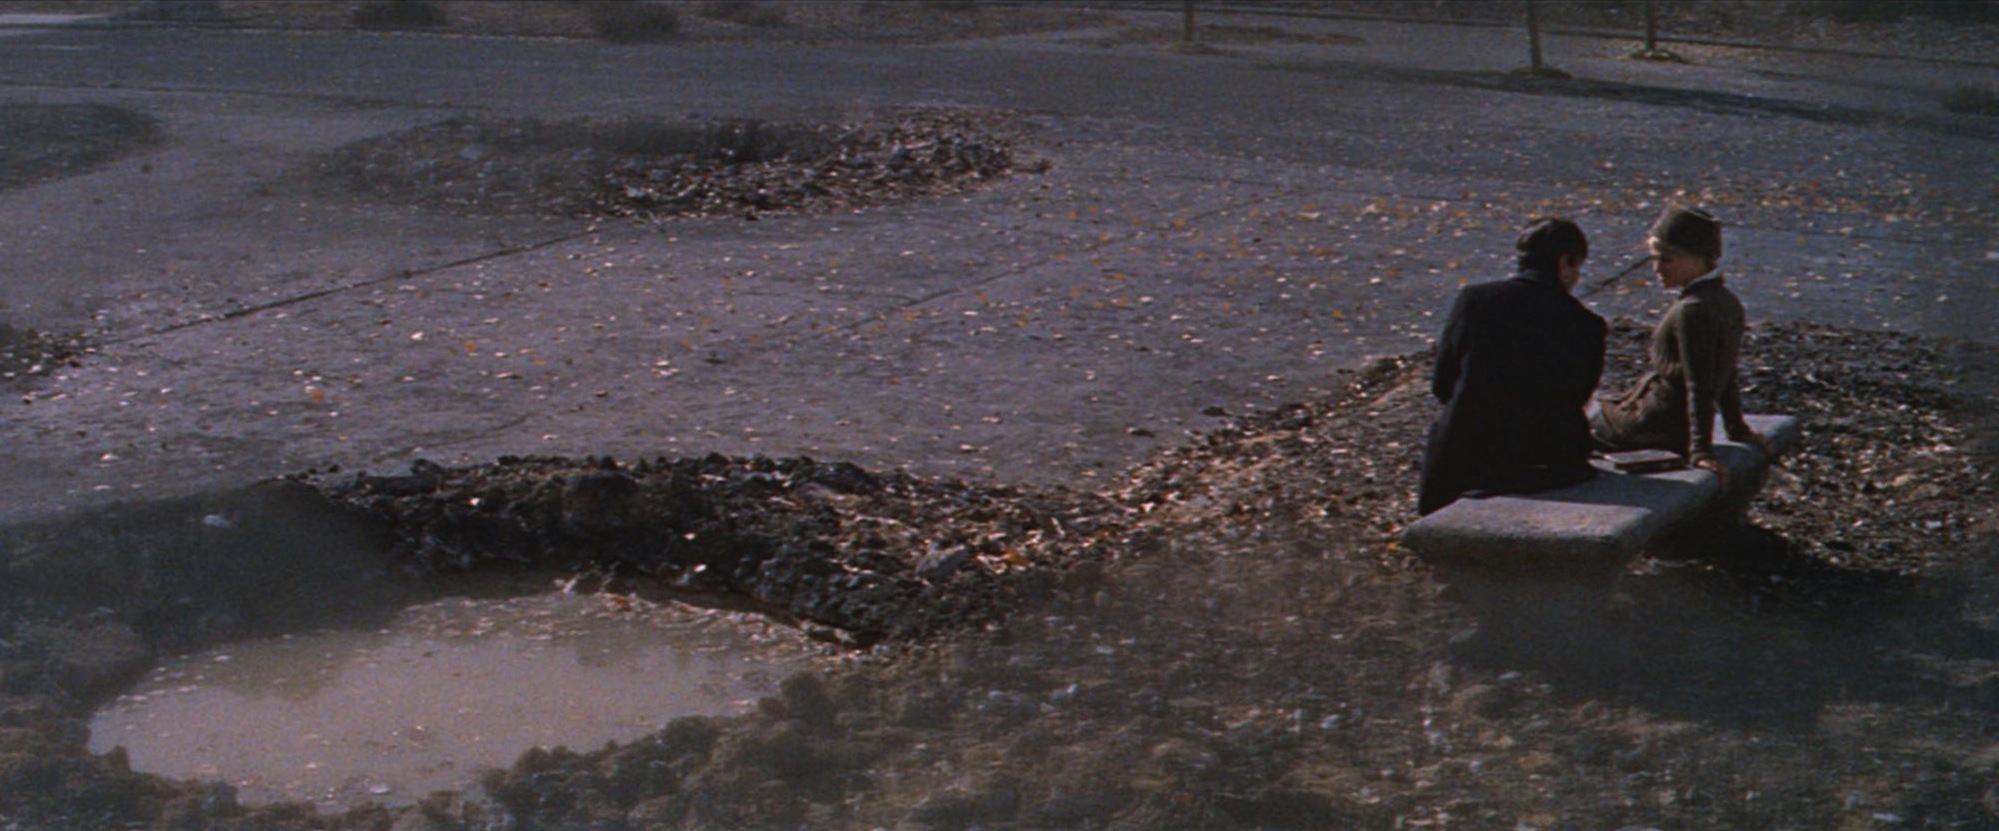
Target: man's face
[1570, 270]
[1675, 268]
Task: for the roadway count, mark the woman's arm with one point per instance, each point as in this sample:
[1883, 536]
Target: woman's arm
[1704, 373]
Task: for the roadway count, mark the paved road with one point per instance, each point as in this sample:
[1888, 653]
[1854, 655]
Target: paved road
[1213, 231]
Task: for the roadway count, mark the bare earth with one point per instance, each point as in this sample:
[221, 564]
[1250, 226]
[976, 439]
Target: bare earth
[1158, 372]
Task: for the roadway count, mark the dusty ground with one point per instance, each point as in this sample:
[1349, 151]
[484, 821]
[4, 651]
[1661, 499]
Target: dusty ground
[1075, 612]
[1230, 636]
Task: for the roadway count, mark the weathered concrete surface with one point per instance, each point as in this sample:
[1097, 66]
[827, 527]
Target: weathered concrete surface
[1223, 231]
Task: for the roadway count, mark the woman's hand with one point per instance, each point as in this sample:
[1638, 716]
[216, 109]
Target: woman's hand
[1714, 466]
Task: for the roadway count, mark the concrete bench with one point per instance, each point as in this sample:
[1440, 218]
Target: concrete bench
[1550, 559]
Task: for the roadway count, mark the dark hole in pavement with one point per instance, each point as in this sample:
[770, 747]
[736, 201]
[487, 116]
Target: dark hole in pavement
[39, 142]
[265, 638]
[338, 717]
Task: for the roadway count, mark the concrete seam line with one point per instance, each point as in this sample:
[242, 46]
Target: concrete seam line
[403, 274]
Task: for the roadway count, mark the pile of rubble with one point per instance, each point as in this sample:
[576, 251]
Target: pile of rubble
[654, 170]
[854, 556]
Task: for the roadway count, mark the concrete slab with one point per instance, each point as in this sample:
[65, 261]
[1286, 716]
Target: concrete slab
[1607, 518]
[1599, 524]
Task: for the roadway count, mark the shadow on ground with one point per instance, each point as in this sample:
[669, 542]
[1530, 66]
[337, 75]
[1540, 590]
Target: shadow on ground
[1753, 650]
[1712, 102]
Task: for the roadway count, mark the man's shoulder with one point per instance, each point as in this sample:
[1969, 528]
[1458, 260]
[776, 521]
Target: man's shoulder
[1505, 287]
[1488, 286]
[1520, 288]
[1475, 296]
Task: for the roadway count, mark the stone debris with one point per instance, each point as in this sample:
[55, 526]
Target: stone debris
[867, 556]
[659, 170]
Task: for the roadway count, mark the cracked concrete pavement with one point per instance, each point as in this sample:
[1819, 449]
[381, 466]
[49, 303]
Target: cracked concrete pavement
[1224, 231]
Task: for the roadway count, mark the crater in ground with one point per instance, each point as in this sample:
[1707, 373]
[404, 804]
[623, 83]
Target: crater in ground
[658, 169]
[39, 142]
[343, 716]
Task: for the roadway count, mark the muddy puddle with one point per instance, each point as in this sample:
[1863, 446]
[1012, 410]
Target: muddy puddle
[391, 713]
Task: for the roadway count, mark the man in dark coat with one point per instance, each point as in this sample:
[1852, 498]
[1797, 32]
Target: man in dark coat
[1516, 366]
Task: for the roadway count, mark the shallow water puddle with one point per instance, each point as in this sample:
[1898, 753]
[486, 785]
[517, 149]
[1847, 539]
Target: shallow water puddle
[449, 687]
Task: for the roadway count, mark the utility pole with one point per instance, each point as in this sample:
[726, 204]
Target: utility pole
[1536, 68]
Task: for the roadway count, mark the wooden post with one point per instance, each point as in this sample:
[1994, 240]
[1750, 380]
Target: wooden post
[1651, 28]
[1534, 36]
[1188, 32]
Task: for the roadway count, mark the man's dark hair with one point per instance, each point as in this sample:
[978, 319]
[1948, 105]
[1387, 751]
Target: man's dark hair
[1543, 245]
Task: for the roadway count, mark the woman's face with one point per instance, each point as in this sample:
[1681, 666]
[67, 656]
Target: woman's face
[1676, 268]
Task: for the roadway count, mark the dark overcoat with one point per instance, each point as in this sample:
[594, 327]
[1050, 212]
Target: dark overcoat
[1516, 366]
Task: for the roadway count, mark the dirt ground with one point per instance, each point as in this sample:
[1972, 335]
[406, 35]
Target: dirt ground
[1084, 413]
